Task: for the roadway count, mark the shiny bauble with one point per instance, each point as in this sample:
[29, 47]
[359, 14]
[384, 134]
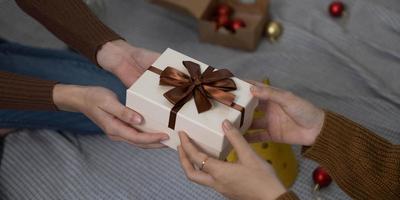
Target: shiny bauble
[236, 24]
[336, 9]
[273, 30]
[321, 177]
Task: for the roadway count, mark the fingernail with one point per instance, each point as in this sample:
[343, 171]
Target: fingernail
[137, 119]
[226, 125]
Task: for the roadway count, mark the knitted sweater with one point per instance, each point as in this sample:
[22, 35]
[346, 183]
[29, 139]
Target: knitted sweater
[363, 164]
[72, 22]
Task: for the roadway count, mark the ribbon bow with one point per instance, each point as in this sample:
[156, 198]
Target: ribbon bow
[201, 86]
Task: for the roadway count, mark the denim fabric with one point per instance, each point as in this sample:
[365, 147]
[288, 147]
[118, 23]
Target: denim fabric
[62, 66]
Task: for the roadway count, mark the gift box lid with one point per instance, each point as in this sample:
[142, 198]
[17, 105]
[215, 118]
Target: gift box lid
[204, 128]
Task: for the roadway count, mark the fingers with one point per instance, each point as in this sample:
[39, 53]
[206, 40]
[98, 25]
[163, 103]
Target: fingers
[236, 139]
[197, 157]
[258, 137]
[300, 110]
[150, 146]
[273, 114]
[259, 124]
[115, 108]
[193, 174]
[143, 146]
[116, 119]
[116, 128]
[136, 137]
[274, 94]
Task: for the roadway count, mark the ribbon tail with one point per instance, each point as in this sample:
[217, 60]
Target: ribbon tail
[227, 99]
[178, 94]
[174, 111]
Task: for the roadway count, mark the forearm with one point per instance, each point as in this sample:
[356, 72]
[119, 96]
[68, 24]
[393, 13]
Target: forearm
[72, 22]
[69, 97]
[363, 164]
[25, 93]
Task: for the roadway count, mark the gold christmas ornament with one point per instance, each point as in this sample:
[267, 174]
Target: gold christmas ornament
[274, 30]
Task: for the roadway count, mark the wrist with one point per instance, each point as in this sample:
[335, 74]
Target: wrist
[318, 128]
[279, 191]
[68, 97]
[275, 190]
[110, 51]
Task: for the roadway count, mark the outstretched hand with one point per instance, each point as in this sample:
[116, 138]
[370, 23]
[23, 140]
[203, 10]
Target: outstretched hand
[249, 178]
[103, 108]
[288, 118]
[125, 61]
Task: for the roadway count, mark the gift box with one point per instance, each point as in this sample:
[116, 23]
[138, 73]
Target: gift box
[255, 16]
[179, 93]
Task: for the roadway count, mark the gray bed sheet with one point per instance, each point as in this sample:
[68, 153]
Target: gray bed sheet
[350, 66]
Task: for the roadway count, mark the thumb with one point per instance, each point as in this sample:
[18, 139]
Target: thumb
[241, 146]
[281, 97]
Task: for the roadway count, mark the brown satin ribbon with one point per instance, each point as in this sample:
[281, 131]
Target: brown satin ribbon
[201, 86]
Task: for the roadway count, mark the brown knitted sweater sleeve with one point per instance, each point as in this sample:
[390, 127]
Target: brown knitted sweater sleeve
[23, 92]
[72, 22]
[363, 164]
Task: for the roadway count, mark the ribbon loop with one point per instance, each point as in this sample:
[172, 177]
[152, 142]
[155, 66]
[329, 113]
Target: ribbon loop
[201, 86]
[173, 77]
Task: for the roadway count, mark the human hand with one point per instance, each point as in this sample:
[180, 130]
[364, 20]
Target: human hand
[288, 118]
[125, 61]
[103, 108]
[249, 178]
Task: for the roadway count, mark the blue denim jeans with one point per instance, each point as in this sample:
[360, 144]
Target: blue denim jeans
[62, 66]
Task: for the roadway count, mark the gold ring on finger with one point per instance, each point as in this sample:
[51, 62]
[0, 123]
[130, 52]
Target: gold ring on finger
[203, 163]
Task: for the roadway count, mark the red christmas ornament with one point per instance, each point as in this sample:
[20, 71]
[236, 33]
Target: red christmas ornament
[224, 9]
[236, 24]
[336, 9]
[222, 21]
[321, 178]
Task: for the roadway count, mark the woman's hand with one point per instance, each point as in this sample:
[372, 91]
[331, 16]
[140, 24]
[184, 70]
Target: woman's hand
[125, 61]
[288, 118]
[249, 178]
[103, 108]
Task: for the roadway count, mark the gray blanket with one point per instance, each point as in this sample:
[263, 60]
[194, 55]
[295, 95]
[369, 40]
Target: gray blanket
[350, 66]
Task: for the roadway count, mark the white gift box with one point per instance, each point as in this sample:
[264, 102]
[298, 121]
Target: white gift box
[146, 97]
